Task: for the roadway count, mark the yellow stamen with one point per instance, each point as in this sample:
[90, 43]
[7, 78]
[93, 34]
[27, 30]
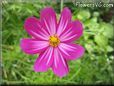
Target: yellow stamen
[54, 41]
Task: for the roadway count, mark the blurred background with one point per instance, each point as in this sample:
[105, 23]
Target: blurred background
[95, 67]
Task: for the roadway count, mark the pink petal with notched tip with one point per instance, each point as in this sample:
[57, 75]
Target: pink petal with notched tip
[59, 67]
[48, 20]
[72, 32]
[34, 28]
[33, 46]
[65, 19]
[44, 61]
[71, 51]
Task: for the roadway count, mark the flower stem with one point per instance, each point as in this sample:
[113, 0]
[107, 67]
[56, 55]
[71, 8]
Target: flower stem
[61, 5]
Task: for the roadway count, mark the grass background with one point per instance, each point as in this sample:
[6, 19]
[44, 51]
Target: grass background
[95, 67]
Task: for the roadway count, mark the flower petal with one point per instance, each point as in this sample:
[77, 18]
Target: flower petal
[71, 51]
[48, 19]
[44, 61]
[34, 28]
[72, 32]
[32, 46]
[65, 19]
[59, 67]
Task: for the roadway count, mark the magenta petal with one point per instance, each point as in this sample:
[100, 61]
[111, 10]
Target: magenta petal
[65, 19]
[72, 32]
[59, 67]
[34, 28]
[33, 46]
[44, 61]
[48, 20]
[71, 51]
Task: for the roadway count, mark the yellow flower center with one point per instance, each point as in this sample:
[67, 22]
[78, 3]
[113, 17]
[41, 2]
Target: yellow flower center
[54, 41]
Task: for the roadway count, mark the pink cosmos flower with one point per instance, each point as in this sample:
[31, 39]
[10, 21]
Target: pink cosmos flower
[53, 40]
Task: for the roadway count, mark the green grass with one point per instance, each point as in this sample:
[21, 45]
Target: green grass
[95, 67]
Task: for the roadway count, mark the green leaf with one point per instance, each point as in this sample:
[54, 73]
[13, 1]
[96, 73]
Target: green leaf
[109, 49]
[101, 40]
[96, 14]
[83, 15]
[92, 24]
[108, 30]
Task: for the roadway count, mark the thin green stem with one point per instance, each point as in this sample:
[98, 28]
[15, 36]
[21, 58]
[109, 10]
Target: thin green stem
[75, 75]
[61, 5]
